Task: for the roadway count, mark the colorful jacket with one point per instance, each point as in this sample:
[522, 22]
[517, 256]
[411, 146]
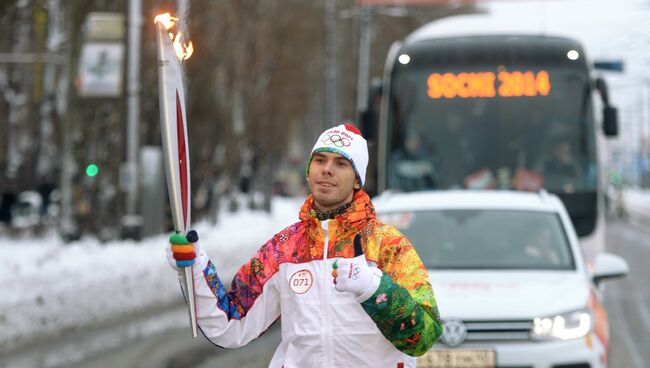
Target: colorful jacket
[290, 276]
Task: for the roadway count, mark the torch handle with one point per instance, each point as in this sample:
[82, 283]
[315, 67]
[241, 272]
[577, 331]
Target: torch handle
[188, 283]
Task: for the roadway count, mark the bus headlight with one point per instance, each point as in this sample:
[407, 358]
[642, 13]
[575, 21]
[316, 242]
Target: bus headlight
[571, 325]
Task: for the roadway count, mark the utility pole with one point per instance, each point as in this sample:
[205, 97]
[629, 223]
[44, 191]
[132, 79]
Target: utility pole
[331, 72]
[132, 221]
[67, 226]
[363, 71]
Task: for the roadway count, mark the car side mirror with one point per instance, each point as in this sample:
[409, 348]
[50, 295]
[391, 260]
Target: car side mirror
[609, 266]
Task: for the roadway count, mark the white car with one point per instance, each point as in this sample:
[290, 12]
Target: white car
[509, 276]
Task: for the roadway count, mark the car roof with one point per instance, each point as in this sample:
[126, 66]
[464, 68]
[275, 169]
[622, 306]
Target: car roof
[468, 199]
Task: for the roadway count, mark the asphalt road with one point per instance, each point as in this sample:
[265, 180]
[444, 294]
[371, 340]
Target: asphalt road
[627, 300]
[128, 346]
[176, 349]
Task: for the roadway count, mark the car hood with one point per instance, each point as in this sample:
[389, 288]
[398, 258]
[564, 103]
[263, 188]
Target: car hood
[487, 295]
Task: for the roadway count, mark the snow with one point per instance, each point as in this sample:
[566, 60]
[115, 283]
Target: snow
[48, 286]
[637, 204]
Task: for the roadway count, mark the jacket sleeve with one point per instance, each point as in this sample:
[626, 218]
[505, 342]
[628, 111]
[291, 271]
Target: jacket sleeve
[234, 318]
[404, 307]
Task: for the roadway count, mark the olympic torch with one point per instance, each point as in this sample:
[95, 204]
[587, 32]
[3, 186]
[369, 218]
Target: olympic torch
[173, 128]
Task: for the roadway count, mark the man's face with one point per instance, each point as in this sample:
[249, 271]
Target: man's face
[331, 180]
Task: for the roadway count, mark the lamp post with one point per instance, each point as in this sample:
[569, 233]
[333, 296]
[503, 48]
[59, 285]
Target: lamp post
[132, 221]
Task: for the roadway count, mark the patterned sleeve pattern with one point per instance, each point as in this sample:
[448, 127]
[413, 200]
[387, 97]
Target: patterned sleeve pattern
[404, 307]
[248, 283]
[224, 300]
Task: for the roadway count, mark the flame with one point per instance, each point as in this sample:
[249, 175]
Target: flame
[166, 20]
[183, 50]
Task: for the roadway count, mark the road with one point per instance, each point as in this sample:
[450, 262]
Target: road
[176, 349]
[136, 344]
[628, 300]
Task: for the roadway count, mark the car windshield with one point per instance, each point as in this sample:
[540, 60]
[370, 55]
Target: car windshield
[486, 239]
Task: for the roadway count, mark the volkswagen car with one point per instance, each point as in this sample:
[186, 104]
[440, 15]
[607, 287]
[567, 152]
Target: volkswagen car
[511, 282]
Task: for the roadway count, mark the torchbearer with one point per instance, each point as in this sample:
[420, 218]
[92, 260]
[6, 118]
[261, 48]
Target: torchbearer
[351, 290]
[173, 128]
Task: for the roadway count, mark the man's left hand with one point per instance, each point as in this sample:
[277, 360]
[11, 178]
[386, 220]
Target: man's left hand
[354, 275]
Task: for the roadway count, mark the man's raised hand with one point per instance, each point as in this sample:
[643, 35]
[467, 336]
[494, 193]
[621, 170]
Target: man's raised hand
[354, 275]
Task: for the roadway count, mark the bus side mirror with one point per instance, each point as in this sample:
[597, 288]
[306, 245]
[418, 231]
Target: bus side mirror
[369, 118]
[610, 121]
[610, 113]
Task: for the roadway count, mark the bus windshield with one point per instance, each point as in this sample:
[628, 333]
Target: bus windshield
[483, 113]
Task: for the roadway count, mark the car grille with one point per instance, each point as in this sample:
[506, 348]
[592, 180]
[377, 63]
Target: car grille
[478, 331]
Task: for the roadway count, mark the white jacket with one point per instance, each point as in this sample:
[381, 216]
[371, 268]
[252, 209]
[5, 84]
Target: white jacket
[321, 327]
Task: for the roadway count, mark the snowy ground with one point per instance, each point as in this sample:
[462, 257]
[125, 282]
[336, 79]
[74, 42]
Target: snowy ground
[47, 287]
[637, 206]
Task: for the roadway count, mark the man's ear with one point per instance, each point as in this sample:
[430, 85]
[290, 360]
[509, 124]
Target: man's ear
[357, 185]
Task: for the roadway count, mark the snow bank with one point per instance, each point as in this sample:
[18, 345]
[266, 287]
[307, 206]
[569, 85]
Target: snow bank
[637, 204]
[47, 286]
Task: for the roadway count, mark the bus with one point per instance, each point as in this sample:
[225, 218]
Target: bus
[499, 109]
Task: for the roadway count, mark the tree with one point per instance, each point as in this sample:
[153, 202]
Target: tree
[255, 94]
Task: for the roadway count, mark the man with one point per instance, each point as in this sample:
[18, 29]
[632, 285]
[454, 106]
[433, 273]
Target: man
[373, 307]
[562, 171]
[411, 166]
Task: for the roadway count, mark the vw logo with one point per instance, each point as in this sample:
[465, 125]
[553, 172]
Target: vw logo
[454, 332]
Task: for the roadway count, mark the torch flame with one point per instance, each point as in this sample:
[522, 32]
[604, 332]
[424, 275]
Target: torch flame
[183, 50]
[166, 20]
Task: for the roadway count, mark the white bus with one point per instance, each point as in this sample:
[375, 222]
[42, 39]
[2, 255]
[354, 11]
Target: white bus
[496, 108]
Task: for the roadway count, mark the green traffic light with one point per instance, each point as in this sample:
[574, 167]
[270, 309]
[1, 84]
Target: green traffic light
[92, 170]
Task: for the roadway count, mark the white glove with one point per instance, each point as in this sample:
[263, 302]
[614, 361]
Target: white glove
[355, 276]
[185, 251]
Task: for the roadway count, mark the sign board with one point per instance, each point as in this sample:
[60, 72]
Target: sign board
[612, 65]
[504, 83]
[101, 69]
[104, 26]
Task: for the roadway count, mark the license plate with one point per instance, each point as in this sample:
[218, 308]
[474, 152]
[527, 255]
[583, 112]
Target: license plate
[457, 358]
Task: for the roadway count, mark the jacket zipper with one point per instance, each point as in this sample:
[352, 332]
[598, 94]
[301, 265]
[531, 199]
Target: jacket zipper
[326, 281]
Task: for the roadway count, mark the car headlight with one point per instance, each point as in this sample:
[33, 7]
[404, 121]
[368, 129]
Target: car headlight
[571, 325]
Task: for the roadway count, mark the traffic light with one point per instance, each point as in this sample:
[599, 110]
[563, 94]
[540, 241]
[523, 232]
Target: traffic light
[92, 170]
[616, 177]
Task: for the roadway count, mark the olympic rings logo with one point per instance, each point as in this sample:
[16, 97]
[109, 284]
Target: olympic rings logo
[355, 272]
[336, 140]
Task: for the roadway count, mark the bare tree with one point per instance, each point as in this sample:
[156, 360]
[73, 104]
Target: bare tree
[255, 89]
